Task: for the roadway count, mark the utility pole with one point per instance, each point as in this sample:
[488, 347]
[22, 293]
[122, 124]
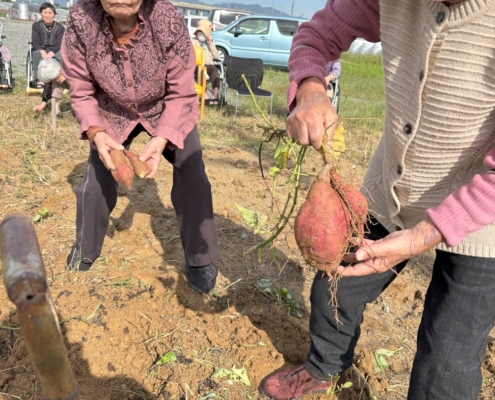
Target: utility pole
[292, 10]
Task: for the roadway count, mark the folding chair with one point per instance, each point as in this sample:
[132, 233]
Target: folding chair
[253, 70]
[200, 84]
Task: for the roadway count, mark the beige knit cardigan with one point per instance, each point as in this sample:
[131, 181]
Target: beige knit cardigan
[439, 66]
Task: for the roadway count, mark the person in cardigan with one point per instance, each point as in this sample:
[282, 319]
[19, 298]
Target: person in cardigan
[333, 72]
[430, 184]
[202, 37]
[130, 68]
[46, 37]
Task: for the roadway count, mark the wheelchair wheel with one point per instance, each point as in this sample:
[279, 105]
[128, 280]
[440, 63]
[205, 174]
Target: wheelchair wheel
[336, 98]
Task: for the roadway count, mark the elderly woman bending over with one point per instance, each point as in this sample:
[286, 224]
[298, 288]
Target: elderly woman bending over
[130, 68]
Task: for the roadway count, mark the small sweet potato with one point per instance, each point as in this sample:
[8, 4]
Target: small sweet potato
[141, 168]
[123, 172]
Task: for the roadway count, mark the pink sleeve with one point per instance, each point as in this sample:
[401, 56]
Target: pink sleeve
[82, 90]
[469, 208]
[330, 32]
[181, 102]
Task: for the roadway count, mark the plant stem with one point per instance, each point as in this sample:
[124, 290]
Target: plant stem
[286, 218]
[256, 103]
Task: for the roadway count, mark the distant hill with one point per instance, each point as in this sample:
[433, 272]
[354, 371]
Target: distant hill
[254, 8]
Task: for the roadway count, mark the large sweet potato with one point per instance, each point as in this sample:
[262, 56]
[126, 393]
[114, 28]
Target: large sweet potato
[141, 168]
[123, 172]
[322, 225]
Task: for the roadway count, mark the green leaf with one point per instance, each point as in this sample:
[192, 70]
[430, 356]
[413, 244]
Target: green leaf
[221, 373]
[379, 359]
[43, 211]
[346, 385]
[210, 395]
[166, 358]
[37, 218]
[274, 171]
[240, 374]
[214, 293]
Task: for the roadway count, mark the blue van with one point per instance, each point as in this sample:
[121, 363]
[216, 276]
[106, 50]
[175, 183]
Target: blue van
[258, 36]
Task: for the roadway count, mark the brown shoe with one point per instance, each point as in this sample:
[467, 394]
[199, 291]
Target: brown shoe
[293, 383]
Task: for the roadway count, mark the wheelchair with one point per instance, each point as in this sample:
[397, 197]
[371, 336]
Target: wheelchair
[222, 90]
[31, 85]
[5, 72]
[335, 99]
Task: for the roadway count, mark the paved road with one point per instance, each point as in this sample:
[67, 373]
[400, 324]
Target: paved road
[18, 35]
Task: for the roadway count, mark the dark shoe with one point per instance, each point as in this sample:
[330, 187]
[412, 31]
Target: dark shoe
[74, 260]
[202, 279]
[293, 383]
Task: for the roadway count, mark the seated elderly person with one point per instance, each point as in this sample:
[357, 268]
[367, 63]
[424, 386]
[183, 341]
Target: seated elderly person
[202, 37]
[46, 37]
[130, 68]
[49, 72]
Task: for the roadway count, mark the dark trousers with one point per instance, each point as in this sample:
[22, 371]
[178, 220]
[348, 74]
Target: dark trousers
[458, 314]
[191, 198]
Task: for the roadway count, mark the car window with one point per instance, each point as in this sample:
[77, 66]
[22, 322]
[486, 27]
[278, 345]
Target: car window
[287, 28]
[227, 17]
[187, 21]
[253, 26]
[194, 22]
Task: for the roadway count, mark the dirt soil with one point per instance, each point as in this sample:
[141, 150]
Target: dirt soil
[134, 305]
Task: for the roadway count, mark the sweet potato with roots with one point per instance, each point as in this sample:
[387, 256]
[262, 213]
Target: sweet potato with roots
[123, 172]
[330, 220]
[332, 216]
[141, 168]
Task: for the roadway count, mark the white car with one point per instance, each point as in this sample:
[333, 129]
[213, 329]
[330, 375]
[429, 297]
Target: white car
[192, 22]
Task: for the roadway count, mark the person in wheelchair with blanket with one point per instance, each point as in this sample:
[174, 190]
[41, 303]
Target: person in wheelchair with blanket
[47, 37]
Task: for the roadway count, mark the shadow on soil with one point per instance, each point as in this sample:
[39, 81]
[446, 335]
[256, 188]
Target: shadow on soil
[288, 333]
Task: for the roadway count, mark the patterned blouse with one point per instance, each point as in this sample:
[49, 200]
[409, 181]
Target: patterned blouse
[149, 80]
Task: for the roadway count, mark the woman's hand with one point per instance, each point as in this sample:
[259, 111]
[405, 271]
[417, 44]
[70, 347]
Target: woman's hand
[152, 154]
[104, 143]
[312, 115]
[39, 107]
[60, 80]
[50, 54]
[44, 54]
[381, 255]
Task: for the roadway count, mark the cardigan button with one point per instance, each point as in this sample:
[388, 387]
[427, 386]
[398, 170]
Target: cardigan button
[129, 84]
[399, 169]
[421, 75]
[440, 17]
[407, 129]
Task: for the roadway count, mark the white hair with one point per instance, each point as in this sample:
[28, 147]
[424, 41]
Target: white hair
[48, 70]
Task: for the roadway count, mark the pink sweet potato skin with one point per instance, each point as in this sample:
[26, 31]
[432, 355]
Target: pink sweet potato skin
[141, 168]
[322, 226]
[123, 172]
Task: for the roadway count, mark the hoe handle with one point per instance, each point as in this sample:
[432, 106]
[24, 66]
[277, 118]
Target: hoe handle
[25, 280]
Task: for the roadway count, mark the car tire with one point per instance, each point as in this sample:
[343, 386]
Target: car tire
[222, 53]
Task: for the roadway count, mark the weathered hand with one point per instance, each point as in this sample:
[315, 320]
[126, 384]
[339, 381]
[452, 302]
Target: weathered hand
[312, 115]
[104, 143]
[152, 154]
[40, 106]
[381, 255]
[59, 80]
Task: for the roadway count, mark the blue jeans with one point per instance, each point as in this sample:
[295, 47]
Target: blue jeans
[458, 314]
